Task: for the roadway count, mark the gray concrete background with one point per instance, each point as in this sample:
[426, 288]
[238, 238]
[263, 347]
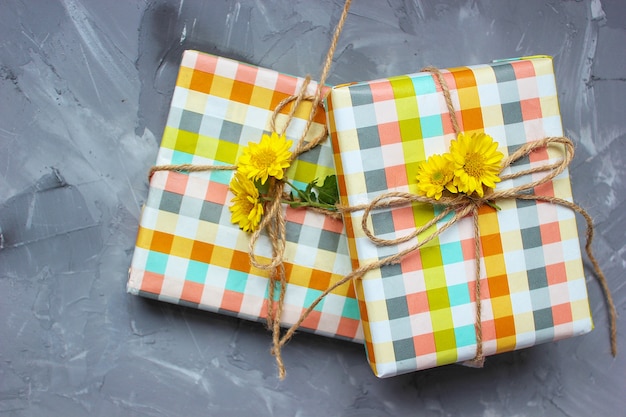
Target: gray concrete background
[84, 91]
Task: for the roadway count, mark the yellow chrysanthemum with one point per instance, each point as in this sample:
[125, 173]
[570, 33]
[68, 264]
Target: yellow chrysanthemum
[475, 162]
[268, 158]
[435, 175]
[246, 208]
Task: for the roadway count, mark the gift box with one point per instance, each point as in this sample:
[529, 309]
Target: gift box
[421, 312]
[188, 252]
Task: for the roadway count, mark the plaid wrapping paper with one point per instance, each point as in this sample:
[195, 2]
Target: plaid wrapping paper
[188, 251]
[420, 313]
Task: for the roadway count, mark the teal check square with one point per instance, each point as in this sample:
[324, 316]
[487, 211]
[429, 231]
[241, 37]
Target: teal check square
[458, 295]
[465, 335]
[236, 281]
[431, 126]
[424, 85]
[312, 295]
[451, 253]
[222, 177]
[351, 309]
[156, 262]
[179, 158]
[196, 271]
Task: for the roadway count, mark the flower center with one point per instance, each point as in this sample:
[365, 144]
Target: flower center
[438, 178]
[474, 165]
[263, 158]
[247, 206]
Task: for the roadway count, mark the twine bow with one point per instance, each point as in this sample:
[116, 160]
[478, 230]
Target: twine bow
[463, 205]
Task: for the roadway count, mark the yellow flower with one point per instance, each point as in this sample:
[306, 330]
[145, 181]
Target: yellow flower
[269, 158]
[435, 175]
[246, 208]
[475, 162]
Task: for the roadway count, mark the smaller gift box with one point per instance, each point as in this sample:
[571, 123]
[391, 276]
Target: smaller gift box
[189, 252]
[420, 312]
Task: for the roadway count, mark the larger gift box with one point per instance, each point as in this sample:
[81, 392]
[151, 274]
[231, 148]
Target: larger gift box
[188, 251]
[421, 312]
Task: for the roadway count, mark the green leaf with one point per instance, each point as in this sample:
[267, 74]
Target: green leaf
[263, 188]
[328, 192]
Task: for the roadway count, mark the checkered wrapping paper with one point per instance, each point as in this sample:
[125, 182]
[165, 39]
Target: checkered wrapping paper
[420, 313]
[188, 251]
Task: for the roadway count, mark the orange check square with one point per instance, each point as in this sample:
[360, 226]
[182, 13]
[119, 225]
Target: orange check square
[201, 81]
[472, 119]
[241, 92]
[161, 242]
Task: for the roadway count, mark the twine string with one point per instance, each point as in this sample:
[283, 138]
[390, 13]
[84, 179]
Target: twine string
[189, 168]
[446, 95]
[274, 219]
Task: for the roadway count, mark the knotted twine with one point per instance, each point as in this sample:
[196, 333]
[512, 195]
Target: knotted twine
[462, 205]
[273, 221]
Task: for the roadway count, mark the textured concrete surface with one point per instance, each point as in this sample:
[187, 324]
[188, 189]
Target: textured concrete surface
[84, 90]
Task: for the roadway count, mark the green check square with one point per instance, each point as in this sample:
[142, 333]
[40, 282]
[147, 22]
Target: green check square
[207, 147]
[402, 88]
[438, 299]
[410, 126]
[227, 152]
[447, 356]
[186, 141]
[441, 319]
[445, 340]
[431, 257]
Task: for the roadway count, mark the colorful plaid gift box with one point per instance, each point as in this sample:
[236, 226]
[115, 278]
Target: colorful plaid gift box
[420, 313]
[188, 251]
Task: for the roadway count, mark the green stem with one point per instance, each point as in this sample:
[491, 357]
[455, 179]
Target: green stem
[305, 203]
[493, 205]
[306, 200]
[318, 205]
[302, 195]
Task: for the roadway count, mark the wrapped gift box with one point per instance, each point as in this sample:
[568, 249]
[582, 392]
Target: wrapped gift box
[188, 251]
[420, 313]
